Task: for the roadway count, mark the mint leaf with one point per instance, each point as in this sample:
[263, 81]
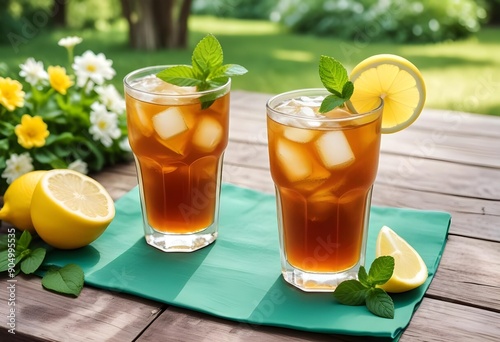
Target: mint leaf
[4, 261]
[331, 102]
[363, 277]
[24, 241]
[207, 56]
[180, 75]
[381, 270]
[351, 292]
[68, 279]
[364, 290]
[206, 72]
[347, 90]
[334, 77]
[33, 261]
[380, 303]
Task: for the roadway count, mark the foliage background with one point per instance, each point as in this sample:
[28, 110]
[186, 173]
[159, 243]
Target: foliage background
[461, 74]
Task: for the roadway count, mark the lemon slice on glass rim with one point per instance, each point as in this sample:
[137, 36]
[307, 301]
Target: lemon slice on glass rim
[395, 80]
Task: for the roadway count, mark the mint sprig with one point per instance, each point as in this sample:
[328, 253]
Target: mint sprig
[365, 290]
[334, 77]
[23, 255]
[206, 72]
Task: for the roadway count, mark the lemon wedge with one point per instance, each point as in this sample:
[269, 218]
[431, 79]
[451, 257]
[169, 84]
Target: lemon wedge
[17, 201]
[410, 270]
[69, 209]
[395, 80]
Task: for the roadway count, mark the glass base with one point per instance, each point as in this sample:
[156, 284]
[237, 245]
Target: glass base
[317, 282]
[181, 242]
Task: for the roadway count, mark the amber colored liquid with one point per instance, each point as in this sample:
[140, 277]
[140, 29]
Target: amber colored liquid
[323, 216]
[179, 179]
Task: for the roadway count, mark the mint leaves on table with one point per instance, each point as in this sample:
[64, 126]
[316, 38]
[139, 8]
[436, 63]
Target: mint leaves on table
[365, 290]
[21, 255]
[334, 77]
[206, 72]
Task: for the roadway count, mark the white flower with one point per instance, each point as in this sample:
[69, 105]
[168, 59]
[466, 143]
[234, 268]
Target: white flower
[104, 124]
[33, 71]
[69, 42]
[17, 165]
[79, 166]
[111, 98]
[95, 68]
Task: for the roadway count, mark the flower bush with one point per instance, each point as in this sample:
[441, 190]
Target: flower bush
[61, 118]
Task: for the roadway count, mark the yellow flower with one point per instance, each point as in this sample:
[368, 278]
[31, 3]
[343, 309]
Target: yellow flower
[58, 79]
[11, 93]
[31, 132]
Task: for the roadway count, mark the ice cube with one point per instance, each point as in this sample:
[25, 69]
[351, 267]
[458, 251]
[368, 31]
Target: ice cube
[142, 121]
[169, 123]
[208, 134]
[299, 135]
[337, 113]
[334, 149]
[293, 160]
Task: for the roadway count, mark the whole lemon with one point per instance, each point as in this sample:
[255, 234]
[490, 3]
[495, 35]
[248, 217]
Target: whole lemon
[17, 201]
[69, 209]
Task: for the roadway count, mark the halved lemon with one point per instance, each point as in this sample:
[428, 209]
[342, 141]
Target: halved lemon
[69, 209]
[395, 80]
[410, 270]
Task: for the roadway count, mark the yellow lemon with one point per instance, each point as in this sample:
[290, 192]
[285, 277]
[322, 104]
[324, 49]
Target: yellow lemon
[410, 270]
[69, 209]
[395, 80]
[17, 201]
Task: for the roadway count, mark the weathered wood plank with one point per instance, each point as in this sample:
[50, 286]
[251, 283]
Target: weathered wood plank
[410, 172]
[469, 273]
[96, 315]
[434, 321]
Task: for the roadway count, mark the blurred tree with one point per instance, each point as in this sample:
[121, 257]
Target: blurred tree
[59, 13]
[155, 24]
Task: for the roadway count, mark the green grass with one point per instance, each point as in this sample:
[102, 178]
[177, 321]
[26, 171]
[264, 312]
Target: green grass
[460, 75]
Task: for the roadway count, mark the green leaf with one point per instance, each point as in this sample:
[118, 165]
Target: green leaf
[332, 73]
[363, 277]
[351, 292]
[4, 260]
[68, 280]
[330, 103]
[347, 90]
[4, 144]
[24, 241]
[380, 303]
[381, 270]
[228, 70]
[180, 75]
[207, 70]
[207, 56]
[31, 263]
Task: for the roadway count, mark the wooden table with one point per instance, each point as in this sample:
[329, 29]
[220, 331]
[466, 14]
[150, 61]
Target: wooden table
[445, 161]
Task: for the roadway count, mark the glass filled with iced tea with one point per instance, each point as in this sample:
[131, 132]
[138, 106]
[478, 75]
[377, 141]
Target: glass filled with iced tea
[178, 146]
[323, 167]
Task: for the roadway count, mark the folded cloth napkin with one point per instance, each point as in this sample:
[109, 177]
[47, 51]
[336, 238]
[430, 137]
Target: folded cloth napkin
[239, 276]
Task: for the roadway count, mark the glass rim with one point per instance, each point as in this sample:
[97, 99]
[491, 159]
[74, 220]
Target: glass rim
[128, 78]
[318, 92]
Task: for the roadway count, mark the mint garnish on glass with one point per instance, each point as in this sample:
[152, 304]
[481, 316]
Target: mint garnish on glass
[365, 290]
[206, 72]
[334, 77]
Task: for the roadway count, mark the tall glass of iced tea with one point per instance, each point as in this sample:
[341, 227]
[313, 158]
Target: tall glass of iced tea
[178, 148]
[323, 167]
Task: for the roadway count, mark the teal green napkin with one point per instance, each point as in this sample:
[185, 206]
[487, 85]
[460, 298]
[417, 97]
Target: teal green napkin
[239, 276]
